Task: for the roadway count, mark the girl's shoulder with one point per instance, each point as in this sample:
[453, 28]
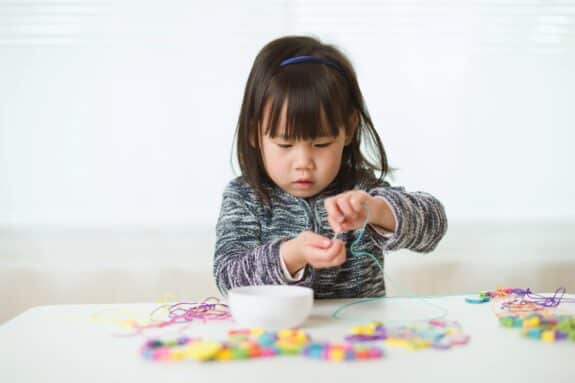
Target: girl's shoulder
[240, 186]
[239, 193]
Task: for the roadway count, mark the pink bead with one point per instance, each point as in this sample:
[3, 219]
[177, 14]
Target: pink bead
[268, 351]
[458, 339]
[374, 353]
[161, 353]
[437, 323]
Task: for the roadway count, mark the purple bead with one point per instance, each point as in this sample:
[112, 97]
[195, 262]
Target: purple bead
[560, 335]
[365, 338]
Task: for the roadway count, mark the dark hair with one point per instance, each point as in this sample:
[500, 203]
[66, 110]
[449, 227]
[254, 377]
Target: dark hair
[320, 99]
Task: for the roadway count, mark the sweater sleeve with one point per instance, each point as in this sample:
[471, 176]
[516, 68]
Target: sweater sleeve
[420, 220]
[241, 259]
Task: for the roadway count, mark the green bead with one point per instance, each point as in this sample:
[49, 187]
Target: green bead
[506, 321]
[170, 342]
[239, 353]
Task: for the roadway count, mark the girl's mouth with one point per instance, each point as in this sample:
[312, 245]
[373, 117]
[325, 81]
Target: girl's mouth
[303, 184]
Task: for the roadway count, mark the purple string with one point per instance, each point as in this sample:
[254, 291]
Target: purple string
[527, 296]
[182, 313]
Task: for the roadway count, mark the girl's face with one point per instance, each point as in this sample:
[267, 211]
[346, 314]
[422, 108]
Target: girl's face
[302, 168]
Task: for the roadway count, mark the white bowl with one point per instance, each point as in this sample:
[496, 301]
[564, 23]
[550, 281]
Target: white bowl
[270, 306]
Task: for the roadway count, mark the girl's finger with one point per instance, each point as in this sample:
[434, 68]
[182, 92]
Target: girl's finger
[317, 258]
[339, 258]
[321, 255]
[316, 240]
[333, 210]
[345, 207]
[357, 202]
[335, 249]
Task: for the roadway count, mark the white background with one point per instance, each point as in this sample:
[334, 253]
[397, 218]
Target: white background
[122, 113]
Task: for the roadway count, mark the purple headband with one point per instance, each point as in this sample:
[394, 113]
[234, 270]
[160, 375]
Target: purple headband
[313, 59]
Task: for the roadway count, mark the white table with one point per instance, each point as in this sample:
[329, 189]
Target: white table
[63, 344]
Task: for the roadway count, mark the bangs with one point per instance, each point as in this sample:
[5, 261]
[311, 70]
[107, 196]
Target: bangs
[312, 99]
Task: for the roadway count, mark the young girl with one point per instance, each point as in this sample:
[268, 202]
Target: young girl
[301, 135]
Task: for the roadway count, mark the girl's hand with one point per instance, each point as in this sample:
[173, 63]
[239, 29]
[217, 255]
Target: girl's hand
[348, 211]
[313, 249]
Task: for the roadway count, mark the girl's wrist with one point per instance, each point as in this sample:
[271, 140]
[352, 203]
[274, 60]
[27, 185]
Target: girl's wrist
[380, 213]
[291, 257]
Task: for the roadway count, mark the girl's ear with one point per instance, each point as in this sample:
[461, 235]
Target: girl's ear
[351, 128]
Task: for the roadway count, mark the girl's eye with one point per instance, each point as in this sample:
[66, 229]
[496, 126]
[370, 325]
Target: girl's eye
[284, 146]
[324, 145]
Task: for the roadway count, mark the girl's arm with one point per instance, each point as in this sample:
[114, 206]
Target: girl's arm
[240, 258]
[420, 220]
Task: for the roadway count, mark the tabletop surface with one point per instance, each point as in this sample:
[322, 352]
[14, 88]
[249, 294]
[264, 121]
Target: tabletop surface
[64, 343]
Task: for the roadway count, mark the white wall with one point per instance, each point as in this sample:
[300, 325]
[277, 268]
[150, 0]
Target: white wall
[117, 119]
[122, 113]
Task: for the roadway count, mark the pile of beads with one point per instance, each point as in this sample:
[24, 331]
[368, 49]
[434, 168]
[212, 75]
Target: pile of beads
[255, 343]
[285, 342]
[437, 334]
[547, 328]
[200, 350]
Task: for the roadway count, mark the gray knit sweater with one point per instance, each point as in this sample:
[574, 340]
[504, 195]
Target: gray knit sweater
[249, 234]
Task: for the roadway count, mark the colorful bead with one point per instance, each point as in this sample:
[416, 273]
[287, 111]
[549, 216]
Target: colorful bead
[507, 321]
[202, 350]
[534, 333]
[548, 336]
[338, 352]
[477, 300]
[439, 334]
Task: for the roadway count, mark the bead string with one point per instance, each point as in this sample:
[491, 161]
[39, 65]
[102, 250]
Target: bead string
[357, 253]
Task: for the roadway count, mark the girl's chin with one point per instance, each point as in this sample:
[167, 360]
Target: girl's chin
[302, 193]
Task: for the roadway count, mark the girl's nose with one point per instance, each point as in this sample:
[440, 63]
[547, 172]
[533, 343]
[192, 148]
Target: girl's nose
[304, 159]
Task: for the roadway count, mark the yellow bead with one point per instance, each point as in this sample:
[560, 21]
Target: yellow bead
[301, 337]
[548, 336]
[531, 322]
[337, 353]
[202, 350]
[286, 333]
[223, 354]
[288, 347]
[397, 342]
[364, 330]
[419, 343]
[256, 331]
[178, 354]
